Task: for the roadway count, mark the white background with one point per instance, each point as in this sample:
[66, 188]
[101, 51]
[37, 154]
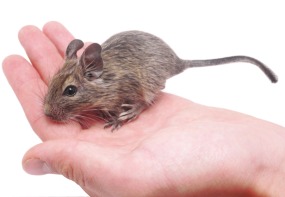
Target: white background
[194, 29]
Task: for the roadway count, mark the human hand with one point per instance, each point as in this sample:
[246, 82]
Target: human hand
[174, 148]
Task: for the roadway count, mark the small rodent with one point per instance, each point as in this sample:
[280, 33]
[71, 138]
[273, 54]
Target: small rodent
[116, 81]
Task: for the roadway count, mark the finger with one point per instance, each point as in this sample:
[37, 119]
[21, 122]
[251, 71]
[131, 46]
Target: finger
[29, 89]
[58, 35]
[80, 161]
[54, 155]
[42, 53]
[26, 83]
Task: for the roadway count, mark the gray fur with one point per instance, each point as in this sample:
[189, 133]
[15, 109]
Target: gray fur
[116, 81]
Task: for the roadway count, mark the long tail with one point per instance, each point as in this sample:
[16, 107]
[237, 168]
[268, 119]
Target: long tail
[226, 60]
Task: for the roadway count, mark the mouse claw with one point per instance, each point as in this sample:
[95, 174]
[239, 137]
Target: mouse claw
[115, 125]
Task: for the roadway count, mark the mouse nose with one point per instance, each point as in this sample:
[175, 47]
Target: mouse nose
[47, 110]
[54, 113]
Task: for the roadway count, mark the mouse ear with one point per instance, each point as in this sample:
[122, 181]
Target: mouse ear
[91, 62]
[72, 48]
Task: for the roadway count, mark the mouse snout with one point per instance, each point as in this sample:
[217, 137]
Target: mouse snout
[53, 113]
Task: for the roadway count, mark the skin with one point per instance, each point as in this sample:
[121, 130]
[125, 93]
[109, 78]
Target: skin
[175, 148]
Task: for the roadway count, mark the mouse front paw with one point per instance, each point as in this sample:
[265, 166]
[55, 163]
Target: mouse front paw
[131, 112]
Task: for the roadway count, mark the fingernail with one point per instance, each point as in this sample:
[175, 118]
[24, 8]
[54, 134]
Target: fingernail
[37, 167]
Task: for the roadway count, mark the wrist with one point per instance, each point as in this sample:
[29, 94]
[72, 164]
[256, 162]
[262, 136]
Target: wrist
[270, 170]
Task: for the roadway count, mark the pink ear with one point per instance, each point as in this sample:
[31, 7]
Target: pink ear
[91, 62]
[72, 48]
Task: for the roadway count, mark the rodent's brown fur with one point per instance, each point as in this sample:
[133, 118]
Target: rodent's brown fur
[117, 81]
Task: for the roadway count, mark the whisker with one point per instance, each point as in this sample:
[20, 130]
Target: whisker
[96, 115]
[85, 121]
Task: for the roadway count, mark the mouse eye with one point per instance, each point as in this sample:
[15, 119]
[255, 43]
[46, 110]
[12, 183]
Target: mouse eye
[70, 90]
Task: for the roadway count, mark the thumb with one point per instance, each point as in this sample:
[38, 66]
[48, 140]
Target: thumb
[69, 157]
[51, 157]
[85, 163]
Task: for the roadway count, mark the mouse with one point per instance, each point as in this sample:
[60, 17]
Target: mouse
[116, 81]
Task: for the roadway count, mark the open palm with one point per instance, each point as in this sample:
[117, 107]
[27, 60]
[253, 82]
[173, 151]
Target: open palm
[174, 148]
